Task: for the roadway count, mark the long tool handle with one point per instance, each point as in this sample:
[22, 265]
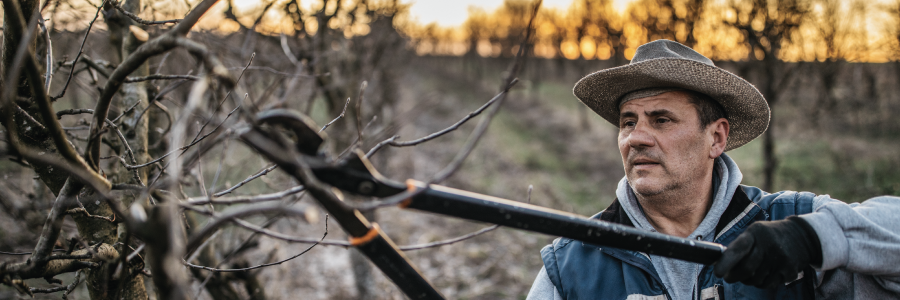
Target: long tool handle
[387, 257]
[365, 236]
[476, 207]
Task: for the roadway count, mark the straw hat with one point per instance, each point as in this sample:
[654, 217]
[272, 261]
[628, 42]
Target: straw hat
[664, 65]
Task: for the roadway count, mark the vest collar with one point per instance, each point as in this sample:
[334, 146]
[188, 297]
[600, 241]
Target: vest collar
[735, 211]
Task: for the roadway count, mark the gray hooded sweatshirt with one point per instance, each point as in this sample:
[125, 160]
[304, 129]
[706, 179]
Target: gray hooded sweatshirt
[860, 243]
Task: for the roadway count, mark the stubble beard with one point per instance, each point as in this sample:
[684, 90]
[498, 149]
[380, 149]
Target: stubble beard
[655, 194]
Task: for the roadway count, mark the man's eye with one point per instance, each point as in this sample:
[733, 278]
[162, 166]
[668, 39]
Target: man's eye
[628, 124]
[663, 120]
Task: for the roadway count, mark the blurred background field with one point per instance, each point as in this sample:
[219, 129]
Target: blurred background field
[830, 69]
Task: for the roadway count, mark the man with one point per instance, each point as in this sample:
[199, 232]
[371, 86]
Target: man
[677, 114]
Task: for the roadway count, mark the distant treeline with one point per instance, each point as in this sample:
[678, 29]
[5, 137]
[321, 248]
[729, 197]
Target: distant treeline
[792, 30]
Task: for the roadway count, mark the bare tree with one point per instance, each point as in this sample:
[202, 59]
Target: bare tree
[767, 25]
[127, 188]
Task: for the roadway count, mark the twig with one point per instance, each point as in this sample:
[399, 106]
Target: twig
[48, 76]
[142, 21]
[240, 76]
[89, 215]
[29, 117]
[65, 256]
[530, 188]
[135, 253]
[48, 290]
[158, 96]
[127, 111]
[450, 241]
[359, 130]
[74, 111]
[234, 217]
[486, 120]
[136, 175]
[23, 58]
[181, 148]
[268, 264]
[160, 77]
[246, 199]
[344, 111]
[286, 74]
[82, 209]
[287, 50]
[80, 51]
[71, 286]
[392, 141]
[264, 171]
[380, 145]
[149, 49]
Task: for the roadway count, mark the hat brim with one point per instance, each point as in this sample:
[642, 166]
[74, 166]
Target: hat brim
[747, 110]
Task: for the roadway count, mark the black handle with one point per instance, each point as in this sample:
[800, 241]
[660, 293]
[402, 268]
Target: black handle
[476, 207]
[387, 257]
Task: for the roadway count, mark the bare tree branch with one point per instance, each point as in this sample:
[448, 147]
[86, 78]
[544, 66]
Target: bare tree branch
[149, 49]
[160, 77]
[268, 264]
[80, 50]
[245, 199]
[343, 111]
[48, 76]
[142, 21]
[264, 171]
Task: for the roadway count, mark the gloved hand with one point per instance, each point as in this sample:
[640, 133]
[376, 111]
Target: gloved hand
[770, 253]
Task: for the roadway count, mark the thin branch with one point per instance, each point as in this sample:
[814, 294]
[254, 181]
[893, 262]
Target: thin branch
[29, 117]
[344, 111]
[450, 241]
[286, 74]
[268, 264]
[24, 59]
[49, 290]
[264, 171]
[142, 21]
[287, 50]
[245, 199]
[359, 130]
[486, 120]
[149, 49]
[234, 217]
[71, 256]
[48, 76]
[181, 148]
[160, 77]
[71, 286]
[74, 111]
[380, 145]
[135, 174]
[127, 111]
[392, 140]
[95, 65]
[240, 76]
[80, 51]
[89, 215]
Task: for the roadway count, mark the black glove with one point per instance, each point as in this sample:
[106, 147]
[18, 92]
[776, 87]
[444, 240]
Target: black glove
[770, 253]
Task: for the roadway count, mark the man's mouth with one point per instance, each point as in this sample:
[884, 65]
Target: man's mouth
[644, 163]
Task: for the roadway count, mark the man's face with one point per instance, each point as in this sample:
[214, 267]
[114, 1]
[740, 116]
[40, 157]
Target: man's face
[661, 143]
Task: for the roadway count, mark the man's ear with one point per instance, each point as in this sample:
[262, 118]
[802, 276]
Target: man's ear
[719, 130]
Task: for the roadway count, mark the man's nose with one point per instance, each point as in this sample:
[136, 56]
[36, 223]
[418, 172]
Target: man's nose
[641, 136]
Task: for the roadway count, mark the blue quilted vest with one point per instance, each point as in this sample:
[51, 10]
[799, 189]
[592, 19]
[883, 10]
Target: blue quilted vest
[584, 271]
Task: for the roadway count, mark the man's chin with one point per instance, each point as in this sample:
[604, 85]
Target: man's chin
[647, 187]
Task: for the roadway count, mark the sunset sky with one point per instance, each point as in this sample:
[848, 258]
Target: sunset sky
[453, 13]
[864, 37]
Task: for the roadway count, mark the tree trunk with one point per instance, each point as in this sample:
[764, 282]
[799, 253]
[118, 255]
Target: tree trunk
[770, 162]
[29, 133]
